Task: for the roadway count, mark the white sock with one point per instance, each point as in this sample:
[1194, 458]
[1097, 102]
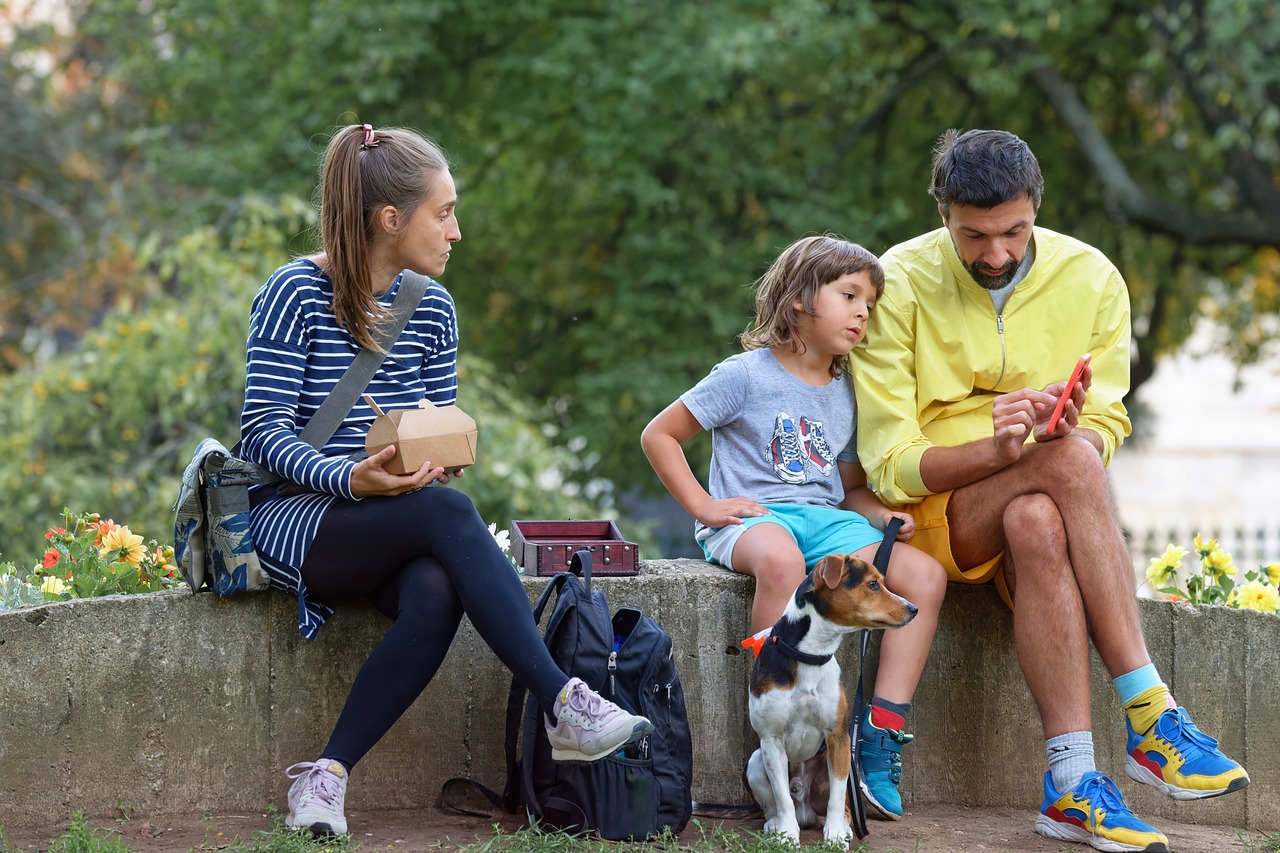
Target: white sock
[1070, 757]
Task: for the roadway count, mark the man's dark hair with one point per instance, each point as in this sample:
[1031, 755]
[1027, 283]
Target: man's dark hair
[983, 168]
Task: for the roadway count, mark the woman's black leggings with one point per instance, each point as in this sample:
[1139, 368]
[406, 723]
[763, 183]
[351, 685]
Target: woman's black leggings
[423, 559]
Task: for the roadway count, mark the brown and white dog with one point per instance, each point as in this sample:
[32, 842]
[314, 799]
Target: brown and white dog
[797, 699]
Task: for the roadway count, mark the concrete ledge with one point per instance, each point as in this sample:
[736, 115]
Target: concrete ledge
[171, 703]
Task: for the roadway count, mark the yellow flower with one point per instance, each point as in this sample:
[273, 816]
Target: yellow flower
[1218, 563]
[53, 584]
[1205, 548]
[1164, 568]
[1273, 573]
[1256, 595]
[125, 542]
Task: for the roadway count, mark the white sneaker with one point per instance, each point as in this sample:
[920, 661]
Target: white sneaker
[588, 727]
[316, 796]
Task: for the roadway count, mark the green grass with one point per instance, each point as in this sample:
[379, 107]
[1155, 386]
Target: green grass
[282, 839]
[1261, 843]
[534, 840]
[82, 838]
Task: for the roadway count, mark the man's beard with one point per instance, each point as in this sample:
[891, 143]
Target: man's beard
[993, 282]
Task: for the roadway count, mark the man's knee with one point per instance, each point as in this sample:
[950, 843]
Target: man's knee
[1034, 521]
[1075, 461]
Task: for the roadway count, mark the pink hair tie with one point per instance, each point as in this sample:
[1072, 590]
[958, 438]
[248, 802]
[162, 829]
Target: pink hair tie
[370, 139]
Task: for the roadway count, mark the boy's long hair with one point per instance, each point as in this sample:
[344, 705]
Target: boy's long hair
[356, 182]
[797, 276]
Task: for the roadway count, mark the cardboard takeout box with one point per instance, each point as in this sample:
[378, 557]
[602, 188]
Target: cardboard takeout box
[445, 435]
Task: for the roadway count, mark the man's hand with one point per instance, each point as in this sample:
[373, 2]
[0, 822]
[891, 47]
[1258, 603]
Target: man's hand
[1015, 415]
[370, 476]
[728, 511]
[1071, 413]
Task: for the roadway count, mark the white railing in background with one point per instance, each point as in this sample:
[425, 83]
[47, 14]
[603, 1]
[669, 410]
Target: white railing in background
[1250, 543]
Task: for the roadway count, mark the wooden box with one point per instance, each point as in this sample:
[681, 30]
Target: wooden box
[546, 547]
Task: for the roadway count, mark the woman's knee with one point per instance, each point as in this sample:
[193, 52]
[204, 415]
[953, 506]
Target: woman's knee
[426, 592]
[445, 503]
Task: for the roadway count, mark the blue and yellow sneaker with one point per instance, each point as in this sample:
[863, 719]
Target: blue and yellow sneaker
[1094, 813]
[880, 768]
[1181, 760]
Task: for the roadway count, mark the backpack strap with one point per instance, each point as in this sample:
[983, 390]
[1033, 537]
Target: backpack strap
[335, 408]
[521, 720]
[580, 565]
[518, 773]
[858, 815]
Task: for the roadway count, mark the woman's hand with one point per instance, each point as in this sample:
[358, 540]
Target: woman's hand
[370, 476]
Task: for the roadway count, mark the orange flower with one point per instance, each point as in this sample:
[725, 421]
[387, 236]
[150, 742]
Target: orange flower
[55, 531]
[123, 542]
[50, 558]
[103, 528]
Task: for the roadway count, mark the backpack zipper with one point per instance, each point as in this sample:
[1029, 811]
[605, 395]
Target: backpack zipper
[613, 668]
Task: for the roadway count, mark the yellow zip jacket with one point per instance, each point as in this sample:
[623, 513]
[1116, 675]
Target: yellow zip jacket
[936, 354]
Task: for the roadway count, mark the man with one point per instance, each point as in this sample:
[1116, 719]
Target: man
[975, 317]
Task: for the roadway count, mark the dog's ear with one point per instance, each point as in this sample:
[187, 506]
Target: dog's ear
[831, 570]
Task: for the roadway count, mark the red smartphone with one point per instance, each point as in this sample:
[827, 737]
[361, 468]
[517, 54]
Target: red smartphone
[1066, 394]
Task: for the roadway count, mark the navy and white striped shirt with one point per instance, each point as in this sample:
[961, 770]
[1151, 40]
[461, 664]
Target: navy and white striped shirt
[296, 354]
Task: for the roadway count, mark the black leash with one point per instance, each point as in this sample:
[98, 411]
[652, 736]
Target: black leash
[857, 813]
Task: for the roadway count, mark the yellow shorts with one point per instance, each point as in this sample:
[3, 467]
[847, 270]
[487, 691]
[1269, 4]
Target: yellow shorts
[933, 536]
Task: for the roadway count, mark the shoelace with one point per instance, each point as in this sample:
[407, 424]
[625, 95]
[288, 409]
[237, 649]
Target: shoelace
[581, 698]
[1181, 724]
[1103, 796]
[819, 440]
[893, 752]
[788, 440]
[320, 783]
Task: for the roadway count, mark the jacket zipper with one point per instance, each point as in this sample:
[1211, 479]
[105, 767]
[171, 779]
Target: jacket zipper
[1004, 358]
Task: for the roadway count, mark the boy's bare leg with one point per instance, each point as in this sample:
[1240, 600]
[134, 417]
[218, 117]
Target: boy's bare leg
[918, 578]
[769, 554]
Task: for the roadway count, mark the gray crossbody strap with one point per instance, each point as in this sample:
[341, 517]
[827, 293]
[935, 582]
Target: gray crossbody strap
[337, 405]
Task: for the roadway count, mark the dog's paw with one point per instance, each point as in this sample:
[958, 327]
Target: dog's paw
[777, 826]
[838, 832]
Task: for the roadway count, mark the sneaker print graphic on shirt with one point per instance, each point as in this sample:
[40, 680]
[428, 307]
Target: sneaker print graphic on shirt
[785, 450]
[813, 443]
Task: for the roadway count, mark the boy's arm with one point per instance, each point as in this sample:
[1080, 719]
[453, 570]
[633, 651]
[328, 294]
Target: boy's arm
[661, 441]
[860, 499]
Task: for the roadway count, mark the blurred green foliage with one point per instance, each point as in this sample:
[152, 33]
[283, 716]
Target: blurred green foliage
[626, 170]
[108, 426]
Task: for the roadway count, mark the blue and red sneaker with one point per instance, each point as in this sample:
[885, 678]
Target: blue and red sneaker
[1181, 760]
[813, 440]
[1094, 813]
[785, 451]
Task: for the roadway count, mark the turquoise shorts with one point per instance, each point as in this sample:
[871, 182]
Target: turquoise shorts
[817, 531]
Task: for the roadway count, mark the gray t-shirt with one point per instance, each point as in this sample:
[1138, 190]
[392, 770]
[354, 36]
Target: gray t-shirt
[774, 437]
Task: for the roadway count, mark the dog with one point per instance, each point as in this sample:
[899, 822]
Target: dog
[797, 701]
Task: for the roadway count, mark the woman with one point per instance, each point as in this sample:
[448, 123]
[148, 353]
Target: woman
[422, 556]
